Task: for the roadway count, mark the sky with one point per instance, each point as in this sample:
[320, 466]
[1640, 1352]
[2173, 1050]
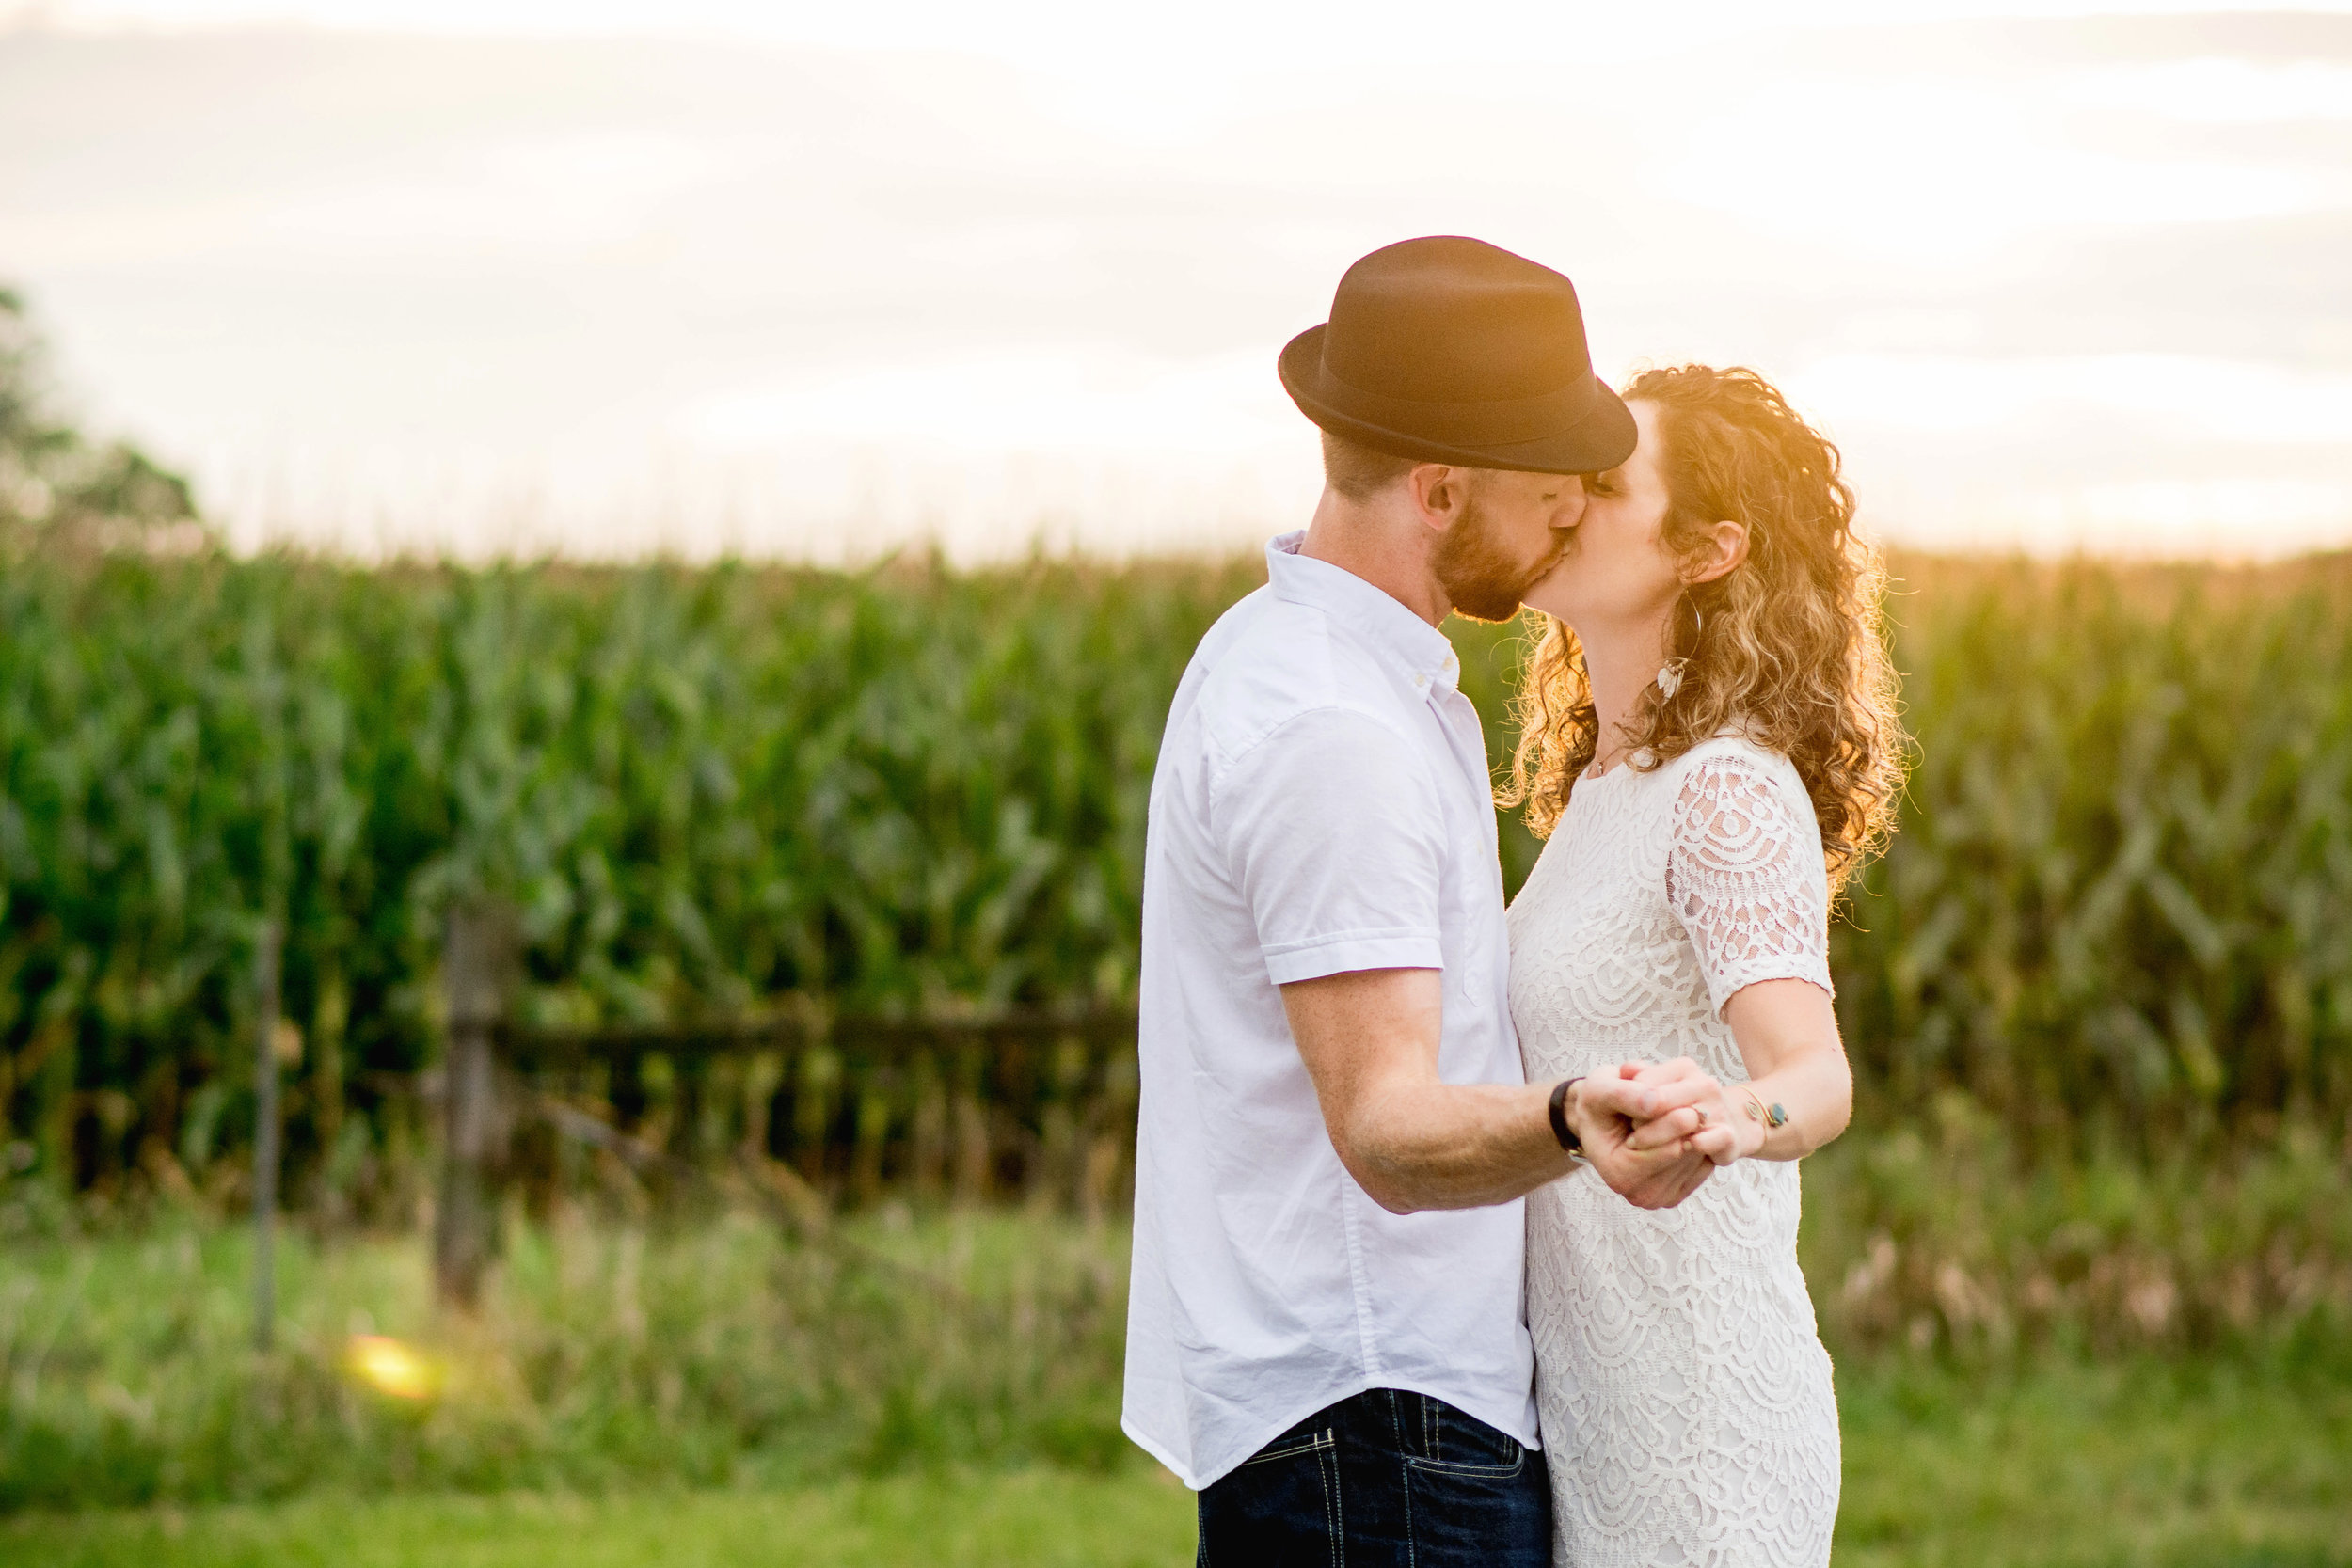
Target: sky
[607, 278]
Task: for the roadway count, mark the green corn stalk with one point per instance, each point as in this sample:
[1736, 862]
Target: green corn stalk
[2118, 911]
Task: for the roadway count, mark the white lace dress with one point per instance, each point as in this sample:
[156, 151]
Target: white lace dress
[1687, 1411]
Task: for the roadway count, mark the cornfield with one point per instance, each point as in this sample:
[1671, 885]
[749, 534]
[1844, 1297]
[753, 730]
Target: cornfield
[2117, 916]
[2120, 908]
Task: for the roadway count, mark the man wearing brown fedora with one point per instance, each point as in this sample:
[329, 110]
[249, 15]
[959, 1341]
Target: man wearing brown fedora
[1326, 1333]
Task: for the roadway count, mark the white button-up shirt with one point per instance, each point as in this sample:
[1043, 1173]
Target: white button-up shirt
[1321, 804]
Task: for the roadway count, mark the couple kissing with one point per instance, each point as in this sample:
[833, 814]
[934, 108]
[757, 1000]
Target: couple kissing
[1467, 1235]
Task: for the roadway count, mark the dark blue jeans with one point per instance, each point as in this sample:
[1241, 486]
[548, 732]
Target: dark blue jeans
[1385, 1479]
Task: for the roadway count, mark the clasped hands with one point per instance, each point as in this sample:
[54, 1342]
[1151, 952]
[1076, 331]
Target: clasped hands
[1656, 1131]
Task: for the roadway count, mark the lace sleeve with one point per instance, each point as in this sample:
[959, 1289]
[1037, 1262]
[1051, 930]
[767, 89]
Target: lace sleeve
[1746, 879]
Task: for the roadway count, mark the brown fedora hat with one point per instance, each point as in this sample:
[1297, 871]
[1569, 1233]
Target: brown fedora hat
[1452, 350]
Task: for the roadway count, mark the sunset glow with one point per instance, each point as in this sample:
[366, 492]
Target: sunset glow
[820, 284]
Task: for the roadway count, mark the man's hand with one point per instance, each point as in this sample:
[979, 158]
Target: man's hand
[1663, 1167]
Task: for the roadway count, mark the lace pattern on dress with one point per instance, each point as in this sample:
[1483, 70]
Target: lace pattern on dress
[1746, 878]
[1688, 1416]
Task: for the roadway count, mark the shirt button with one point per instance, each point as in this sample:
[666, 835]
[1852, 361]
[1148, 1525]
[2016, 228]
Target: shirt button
[1421, 681]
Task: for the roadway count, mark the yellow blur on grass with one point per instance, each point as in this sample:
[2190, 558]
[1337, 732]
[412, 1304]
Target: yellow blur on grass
[391, 1368]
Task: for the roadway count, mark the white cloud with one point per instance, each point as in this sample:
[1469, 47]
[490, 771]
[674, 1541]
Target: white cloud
[1945, 174]
[2166, 396]
[532, 195]
[1033, 401]
[2219, 90]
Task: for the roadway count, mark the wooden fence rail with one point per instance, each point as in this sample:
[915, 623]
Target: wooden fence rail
[1034, 1106]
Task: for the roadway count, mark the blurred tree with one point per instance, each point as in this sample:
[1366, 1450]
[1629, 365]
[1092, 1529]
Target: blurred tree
[58, 486]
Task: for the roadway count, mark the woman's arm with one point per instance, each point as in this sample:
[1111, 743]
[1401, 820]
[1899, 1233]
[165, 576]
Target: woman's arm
[1744, 875]
[1787, 1032]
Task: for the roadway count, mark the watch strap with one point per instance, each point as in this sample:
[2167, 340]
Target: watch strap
[1560, 1127]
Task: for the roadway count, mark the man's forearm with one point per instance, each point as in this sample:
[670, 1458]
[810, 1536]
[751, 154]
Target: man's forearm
[1368, 1039]
[1453, 1145]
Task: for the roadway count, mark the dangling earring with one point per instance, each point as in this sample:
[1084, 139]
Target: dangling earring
[1670, 672]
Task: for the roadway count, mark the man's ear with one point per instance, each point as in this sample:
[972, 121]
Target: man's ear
[1440, 491]
[1725, 551]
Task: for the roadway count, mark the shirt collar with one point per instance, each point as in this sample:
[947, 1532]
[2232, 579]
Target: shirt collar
[1419, 650]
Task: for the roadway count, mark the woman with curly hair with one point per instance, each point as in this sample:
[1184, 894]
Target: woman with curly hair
[1710, 746]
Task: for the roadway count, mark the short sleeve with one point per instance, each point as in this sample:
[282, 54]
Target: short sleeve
[1333, 832]
[1745, 876]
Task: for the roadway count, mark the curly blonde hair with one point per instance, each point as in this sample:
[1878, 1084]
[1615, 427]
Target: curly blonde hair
[1790, 647]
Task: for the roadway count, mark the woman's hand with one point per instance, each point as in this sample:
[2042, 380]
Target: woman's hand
[1695, 1109]
[1608, 1110]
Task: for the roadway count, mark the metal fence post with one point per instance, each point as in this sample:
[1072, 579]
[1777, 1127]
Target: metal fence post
[265, 1133]
[475, 965]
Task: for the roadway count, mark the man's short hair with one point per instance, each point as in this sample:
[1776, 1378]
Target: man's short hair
[1358, 471]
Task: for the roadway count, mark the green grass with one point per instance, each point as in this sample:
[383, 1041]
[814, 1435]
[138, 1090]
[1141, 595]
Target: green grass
[2139, 1461]
[616, 1356]
[1040, 1516]
[604, 1358]
[2147, 1461]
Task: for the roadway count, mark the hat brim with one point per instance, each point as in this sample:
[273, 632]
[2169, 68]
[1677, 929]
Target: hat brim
[1603, 438]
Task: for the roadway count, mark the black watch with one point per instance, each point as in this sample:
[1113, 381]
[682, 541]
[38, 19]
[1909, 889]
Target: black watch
[1560, 1127]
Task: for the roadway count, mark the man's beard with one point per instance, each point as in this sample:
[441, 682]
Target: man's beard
[1484, 583]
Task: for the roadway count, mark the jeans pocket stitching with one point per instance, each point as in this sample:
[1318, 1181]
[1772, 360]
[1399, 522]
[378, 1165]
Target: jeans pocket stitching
[1320, 1441]
[1327, 1465]
[1454, 1467]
